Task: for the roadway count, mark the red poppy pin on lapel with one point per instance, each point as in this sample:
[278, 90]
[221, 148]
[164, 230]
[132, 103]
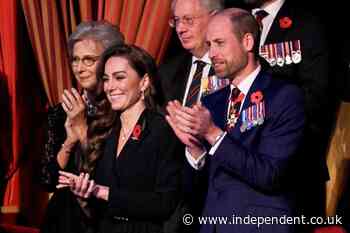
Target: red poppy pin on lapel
[285, 22]
[256, 97]
[136, 132]
[254, 115]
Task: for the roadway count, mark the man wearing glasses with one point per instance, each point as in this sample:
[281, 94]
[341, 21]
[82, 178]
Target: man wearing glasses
[181, 76]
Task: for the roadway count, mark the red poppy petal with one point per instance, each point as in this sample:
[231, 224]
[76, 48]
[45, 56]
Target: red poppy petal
[136, 132]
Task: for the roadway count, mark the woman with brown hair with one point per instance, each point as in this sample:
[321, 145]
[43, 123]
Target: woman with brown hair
[137, 183]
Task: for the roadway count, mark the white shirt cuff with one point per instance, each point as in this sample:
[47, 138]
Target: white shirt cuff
[217, 144]
[198, 163]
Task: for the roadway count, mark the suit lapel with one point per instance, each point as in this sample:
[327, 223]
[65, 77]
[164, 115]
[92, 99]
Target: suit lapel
[259, 84]
[276, 33]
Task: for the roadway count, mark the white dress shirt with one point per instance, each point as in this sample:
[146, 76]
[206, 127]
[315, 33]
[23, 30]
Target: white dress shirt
[244, 87]
[272, 10]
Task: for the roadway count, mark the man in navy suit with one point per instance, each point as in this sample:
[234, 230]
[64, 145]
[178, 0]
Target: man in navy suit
[244, 136]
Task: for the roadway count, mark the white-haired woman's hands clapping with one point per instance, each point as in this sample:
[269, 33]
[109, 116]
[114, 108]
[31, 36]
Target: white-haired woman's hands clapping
[74, 106]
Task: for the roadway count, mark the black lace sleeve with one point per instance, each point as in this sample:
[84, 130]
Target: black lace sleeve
[55, 137]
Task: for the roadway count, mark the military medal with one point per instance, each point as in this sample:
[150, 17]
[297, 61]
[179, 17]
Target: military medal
[244, 125]
[280, 54]
[223, 82]
[250, 120]
[233, 111]
[272, 58]
[232, 117]
[211, 80]
[261, 113]
[253, 115]
[263, 51]
[296, 53]
[212, 83]
[287, 52]
[215, 83]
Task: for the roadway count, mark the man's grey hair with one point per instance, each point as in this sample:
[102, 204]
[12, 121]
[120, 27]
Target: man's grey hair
[100, 31]
[210, 5]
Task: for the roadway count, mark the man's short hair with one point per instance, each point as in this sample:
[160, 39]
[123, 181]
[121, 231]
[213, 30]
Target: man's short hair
[243, 22]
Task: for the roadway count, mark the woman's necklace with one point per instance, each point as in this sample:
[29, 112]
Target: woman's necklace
[125, 133]
[123, 137]
[129, 124]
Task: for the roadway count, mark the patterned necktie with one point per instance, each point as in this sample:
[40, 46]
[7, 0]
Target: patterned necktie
[234, 106]
[195, 87]
[259, 15]
[211, 71]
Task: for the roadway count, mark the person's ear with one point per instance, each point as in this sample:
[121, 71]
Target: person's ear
[248, 42]
[145, 82]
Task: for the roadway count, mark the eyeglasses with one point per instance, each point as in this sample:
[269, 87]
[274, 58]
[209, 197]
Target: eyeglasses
[187, 20]
[87, 60]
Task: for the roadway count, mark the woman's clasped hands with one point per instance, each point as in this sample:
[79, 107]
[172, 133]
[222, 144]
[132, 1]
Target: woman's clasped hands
[81, 185]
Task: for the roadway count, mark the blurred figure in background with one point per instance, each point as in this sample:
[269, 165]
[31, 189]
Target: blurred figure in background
[293, 44]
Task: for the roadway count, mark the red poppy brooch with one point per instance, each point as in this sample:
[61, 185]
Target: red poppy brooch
[255, 114]
[136, 133]
[285, 22]
[256, 97]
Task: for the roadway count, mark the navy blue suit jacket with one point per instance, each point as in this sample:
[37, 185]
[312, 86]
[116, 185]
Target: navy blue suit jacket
[249, 172]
